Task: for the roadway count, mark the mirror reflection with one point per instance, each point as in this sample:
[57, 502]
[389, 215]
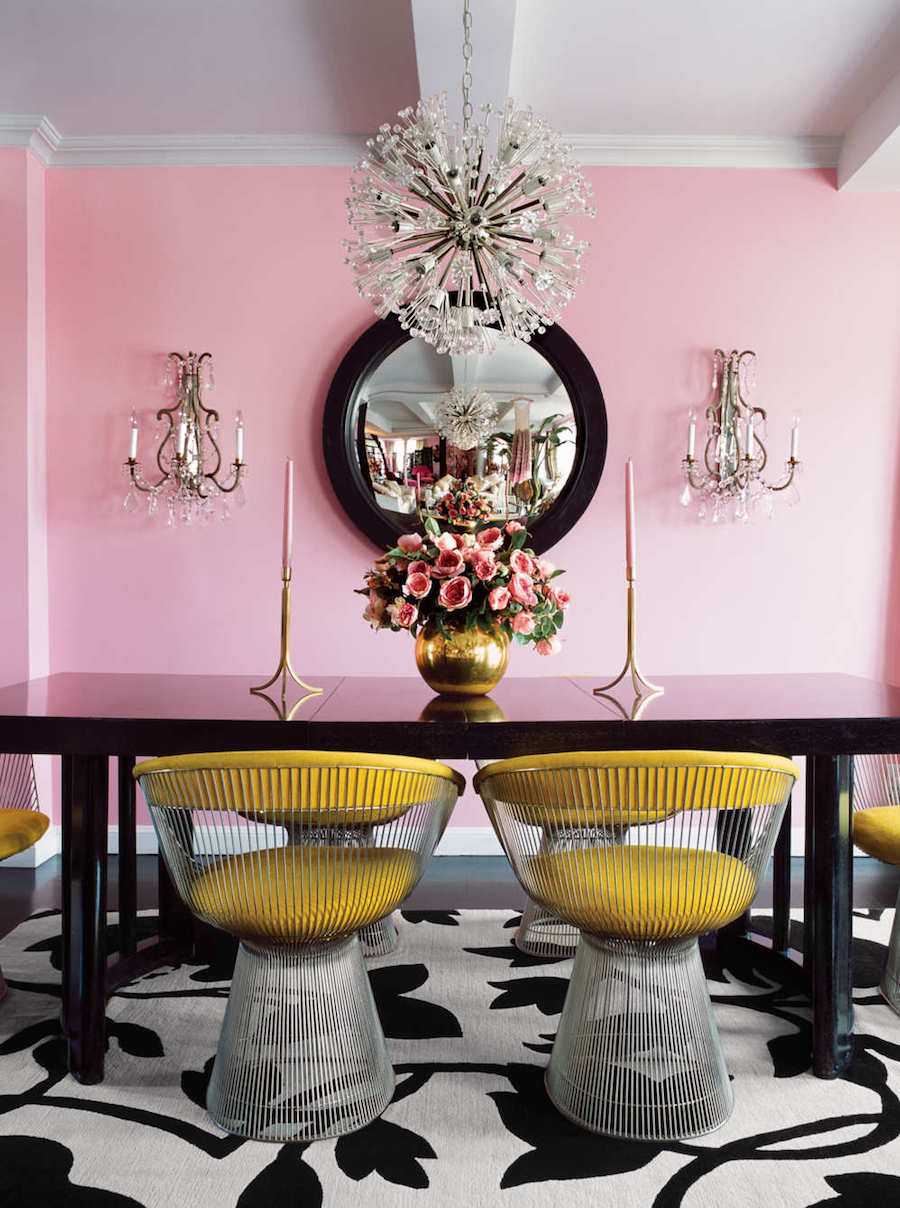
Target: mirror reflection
[468, 439]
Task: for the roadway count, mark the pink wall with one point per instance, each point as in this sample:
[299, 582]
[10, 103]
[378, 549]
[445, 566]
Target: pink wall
[247, 263]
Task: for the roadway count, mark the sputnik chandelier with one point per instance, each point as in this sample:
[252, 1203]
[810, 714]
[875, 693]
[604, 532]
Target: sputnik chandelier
[459, 233]
[466, 417]
[734, 456]
[188, 456]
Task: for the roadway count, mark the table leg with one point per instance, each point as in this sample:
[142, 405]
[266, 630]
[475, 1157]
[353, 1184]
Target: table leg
[831, 950]
[127, 858]
[809, 865]
[85, 789]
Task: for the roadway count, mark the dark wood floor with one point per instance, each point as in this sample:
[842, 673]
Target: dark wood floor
[450, 882]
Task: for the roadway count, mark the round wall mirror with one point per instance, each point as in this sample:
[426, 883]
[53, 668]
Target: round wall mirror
[515, 434]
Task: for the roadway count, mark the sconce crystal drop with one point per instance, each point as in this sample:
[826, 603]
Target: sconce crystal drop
[729, 480]
[188, 456]
[459, 229]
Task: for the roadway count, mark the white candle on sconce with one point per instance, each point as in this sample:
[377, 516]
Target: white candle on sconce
[132, 444]
[795, 438]
[692, 432]
[239, 437]
[182, 437]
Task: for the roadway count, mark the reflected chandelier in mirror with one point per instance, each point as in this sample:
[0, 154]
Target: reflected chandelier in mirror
[469, 439]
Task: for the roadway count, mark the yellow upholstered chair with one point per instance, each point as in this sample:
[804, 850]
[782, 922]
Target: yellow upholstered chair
[21, 822]
[876, 829]
[642, 851]
[294, 852]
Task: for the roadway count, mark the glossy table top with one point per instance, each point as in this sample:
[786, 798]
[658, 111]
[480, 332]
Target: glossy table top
[133, 713]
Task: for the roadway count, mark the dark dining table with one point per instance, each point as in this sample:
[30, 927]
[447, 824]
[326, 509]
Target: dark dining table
[86, 718]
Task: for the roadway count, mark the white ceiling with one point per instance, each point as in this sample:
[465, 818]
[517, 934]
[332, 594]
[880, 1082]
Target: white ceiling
[254, 74]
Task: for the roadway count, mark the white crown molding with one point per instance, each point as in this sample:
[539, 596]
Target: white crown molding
[30, 130]
[214, 150]
[706, 150]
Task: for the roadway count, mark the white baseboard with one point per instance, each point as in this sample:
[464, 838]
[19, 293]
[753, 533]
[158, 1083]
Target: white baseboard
[469, 841]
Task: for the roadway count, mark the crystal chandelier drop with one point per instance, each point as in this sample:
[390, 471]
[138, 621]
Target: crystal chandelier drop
[730, 481]
[466, 417]
[458, 230]
[188, 456]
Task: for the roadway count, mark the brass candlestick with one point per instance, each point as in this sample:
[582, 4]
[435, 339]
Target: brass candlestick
[284, 668]
[641, 685]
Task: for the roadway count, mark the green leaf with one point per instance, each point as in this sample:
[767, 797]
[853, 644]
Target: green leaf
[518, 539]
[432, 528]
[555, 573]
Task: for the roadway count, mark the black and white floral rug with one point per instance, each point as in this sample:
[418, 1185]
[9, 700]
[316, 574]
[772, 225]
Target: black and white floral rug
[469, 1022]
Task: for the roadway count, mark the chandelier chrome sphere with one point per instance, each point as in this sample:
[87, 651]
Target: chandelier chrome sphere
[458, 229]
[466, 417]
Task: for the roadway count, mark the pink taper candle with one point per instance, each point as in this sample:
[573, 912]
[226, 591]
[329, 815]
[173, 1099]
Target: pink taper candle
[288, 531]
[629, 519]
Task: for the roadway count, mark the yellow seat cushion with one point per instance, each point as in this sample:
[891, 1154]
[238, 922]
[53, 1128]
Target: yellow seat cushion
[640, 892]
[303, 894]
[877, 832]
[614, 789]
[19, 829]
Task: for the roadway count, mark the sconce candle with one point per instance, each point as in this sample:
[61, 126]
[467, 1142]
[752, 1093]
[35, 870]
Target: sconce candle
[692, 433]
[239, 437]
[629, 519]
[132, 444]
[795, 439]
[288, 529]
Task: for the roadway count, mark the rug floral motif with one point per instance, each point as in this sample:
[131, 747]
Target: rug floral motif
[470, 1022]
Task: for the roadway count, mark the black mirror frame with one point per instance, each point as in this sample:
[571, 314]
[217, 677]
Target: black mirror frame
[379, 341]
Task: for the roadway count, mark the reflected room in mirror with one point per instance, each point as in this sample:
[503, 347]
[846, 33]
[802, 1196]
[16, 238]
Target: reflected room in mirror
[494, 434]
[516, 434]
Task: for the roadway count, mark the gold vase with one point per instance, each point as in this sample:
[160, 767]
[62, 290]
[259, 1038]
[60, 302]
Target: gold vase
[466, 663]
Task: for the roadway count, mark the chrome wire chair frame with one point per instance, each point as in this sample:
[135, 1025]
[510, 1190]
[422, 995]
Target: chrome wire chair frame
[876, 830]
[21, 821]
[643, 852]
[257, 843]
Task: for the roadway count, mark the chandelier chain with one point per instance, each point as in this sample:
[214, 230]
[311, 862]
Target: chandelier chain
[467, 65]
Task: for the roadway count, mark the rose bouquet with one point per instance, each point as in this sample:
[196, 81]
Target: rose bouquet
[488, 580]
[464, 504]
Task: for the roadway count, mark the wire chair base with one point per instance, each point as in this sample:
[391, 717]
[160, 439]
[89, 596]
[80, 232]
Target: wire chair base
[890, 981]
[301, 1055]
[637, 1054]
[542, 933]
[379, 938]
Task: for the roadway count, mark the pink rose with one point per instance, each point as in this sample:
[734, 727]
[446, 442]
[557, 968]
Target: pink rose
[446, 541]
[490, 538]
[498, 599]
[411, 542]
[449, 563]
[560, 597]
[520, 563]
[514, 526]
[455, 593]
[522, 622]
[465, 540]
[417, 585]
[469, 554]
[551, 645]
[545, 568]
[484, 565]
[522, 590]
[418, 568]
[403, 613]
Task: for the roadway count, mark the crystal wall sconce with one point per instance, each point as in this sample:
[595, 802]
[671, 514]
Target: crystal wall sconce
[188, 456]
[728, 481]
